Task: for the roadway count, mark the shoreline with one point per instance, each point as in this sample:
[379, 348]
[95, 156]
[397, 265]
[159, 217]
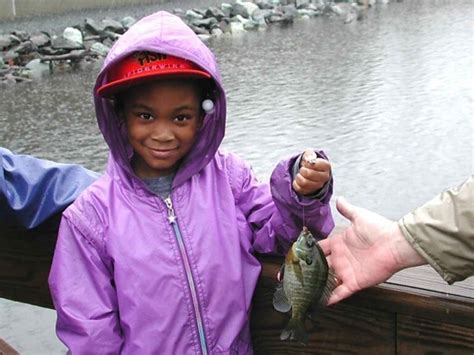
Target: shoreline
[25, 56]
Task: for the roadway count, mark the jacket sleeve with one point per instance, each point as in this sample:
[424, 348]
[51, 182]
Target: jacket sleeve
[32, 189]
[83, 293]
[275, 213]
[442, 231]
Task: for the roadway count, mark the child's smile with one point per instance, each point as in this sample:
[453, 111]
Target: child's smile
[162, 120]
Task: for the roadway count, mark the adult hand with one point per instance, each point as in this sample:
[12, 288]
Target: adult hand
[313, 174]
[367, 253]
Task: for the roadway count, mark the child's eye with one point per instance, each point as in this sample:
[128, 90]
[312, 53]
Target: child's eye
[182, 118]
[145, 116]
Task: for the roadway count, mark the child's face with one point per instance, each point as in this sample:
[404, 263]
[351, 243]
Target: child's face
[162, 118]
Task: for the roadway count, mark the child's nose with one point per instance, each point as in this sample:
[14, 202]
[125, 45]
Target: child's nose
[162, 132]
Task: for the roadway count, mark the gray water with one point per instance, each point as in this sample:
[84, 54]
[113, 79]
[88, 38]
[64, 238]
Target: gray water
[389, 99]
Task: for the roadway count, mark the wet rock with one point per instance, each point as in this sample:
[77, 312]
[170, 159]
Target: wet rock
[193, 15]
[73, 35]
[21, 35]
[215, 12]
[302, 4]
[204, 37]
[25, 48]
[247, 24]
[224, 25]
[236, 27]
[319, 4]
[40, 39]
[108, 42]
[309, 12]
[338, 9]
[5, 42]
[37, 68]
[199, 30]
[93, 27]
[94, 39]
[11, 58]
[206, 23]
[261, 15]
[127, 22]
[51, 51]
[8, 79]
[112, 26]
[264, 4]
[348, 12]
[63, 43]
[201, 12]
[99, 49]
[111, 35]
[250, 6]
[290, 12]
[226, 9]
[239, 9]
[216, 32]
[251, 25]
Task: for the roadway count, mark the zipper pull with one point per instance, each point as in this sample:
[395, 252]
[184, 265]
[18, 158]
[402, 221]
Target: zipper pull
[171, 215]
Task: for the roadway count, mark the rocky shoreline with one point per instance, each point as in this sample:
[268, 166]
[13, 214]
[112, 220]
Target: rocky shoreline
[26, 56]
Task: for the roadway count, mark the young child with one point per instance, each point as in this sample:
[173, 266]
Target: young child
[157, 256]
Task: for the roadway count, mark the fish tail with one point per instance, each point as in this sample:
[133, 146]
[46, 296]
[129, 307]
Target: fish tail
[294, 330]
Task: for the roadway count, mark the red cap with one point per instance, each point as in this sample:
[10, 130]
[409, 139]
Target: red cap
[143, 66]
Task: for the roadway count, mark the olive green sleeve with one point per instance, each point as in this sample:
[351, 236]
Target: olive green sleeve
[442, 231]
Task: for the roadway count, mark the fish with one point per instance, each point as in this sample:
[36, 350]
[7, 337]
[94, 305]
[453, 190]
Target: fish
[305, 281]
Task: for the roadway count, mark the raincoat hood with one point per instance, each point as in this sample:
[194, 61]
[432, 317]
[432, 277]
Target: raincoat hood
[165, 33]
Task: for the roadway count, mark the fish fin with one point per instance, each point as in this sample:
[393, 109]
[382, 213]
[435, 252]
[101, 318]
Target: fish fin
[281, 273]
[280, 301]
[294, 330]
[331, 284]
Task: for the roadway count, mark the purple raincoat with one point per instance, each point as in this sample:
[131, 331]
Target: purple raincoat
[134, 274]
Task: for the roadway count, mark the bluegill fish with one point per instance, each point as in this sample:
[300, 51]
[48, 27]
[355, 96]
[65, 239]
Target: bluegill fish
[306, 281]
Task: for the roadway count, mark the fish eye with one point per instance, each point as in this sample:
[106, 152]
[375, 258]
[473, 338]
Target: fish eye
[309, 261]
[310, 242]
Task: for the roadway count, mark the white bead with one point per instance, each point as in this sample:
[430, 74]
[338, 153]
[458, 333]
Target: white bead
[208, 106]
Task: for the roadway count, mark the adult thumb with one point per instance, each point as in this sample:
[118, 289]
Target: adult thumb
[345, 208]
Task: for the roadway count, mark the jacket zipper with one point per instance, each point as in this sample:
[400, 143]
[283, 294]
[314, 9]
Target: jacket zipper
[179, 238]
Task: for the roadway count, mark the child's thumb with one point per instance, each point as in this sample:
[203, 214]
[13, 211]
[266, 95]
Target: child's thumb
[345, 208]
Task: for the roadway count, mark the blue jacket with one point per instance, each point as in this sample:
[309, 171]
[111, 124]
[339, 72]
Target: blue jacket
[32, 189]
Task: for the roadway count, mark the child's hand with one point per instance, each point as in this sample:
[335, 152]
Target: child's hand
[313, 174]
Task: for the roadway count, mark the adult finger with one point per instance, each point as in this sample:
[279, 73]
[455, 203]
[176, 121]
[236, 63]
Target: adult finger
[338, 294]
[325, 245]
[345, 208]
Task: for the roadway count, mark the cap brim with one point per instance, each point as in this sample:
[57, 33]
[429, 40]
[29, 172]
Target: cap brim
[110, 89]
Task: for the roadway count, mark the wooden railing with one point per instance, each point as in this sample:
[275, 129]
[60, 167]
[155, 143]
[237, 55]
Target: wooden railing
[415, 312]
